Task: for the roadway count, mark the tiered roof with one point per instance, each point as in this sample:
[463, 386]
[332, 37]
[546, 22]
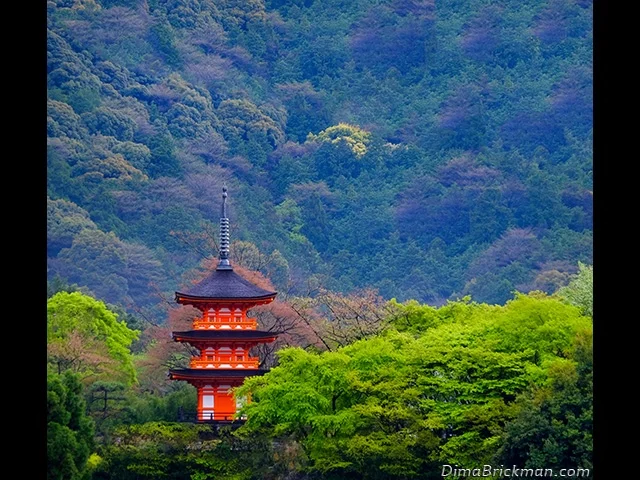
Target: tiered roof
[224, 285]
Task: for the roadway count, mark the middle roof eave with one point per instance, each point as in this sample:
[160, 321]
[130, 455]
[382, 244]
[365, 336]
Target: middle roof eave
[225, 334]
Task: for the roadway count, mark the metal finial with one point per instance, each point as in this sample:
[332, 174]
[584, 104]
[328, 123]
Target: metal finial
[223, 256]
[224, 202]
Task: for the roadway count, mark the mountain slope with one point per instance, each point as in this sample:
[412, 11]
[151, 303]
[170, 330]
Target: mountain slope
[426, 149]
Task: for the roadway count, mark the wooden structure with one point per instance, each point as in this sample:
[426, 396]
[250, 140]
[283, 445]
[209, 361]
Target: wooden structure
[224, 334]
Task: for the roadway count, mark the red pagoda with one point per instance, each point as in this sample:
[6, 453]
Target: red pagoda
[224, 334]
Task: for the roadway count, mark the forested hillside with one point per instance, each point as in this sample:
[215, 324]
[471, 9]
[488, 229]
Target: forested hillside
[425, 149]
[414, 177]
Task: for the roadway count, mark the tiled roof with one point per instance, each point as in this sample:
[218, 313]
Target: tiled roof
[223, 284]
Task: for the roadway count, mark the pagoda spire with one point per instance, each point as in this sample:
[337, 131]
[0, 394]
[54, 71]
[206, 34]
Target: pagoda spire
[223, 335]
[223, 253]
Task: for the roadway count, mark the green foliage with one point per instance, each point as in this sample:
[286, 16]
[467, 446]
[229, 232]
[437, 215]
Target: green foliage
[162, 37]
[106, 401]
[579, 292]
[69, 430]
[139, 407]
[554, 428]
[110, 122]
[306, 109]
[64, 221]
[113, 167]
[163, 161]
[58, 284]
[403, 403]
[69, 78]
[249, 130]
[147, 451]
[290, 215]
[430, 151]
[63, 121]
[69, 313]
[353, 136]
[114, 270]
[163, 450]
[137, 154]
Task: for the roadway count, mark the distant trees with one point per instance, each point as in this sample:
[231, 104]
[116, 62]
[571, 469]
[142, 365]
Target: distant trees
[435, 133]
[64, 221]
[353, 136]
[579, 291]
[69, 76]
[114, 270]
[249, 130]
[306, 108]
[110, 122]
[398, 35]
[509, 260]
[63, 121]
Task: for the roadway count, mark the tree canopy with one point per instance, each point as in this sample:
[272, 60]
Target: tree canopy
[439, 388]
[84, 336]
[69, 431]
[579, 291]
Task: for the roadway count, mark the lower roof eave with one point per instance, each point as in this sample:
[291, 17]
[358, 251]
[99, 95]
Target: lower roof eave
[214, 373]
[229, 334]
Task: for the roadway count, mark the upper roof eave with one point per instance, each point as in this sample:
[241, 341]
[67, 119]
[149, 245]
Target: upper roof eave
[225, 285]
[183, 296]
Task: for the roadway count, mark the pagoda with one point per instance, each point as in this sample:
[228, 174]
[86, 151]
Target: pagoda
[223, 335]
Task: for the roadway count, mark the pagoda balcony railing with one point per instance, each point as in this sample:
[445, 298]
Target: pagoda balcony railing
[209, 417]
[252, 363]
[244, 325]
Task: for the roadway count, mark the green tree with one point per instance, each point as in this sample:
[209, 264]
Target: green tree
[250, 130]
[64, 221]
[554, 428]
[79, 328]
[353, 136]
[579, 292]
[63, 121]
[209, 91]
[69, 430]
[176, 451]
[162, 37]
[110, 122]
[106, 402]
[306, 108]
[163, 161]
[117, 271]
[401, 404]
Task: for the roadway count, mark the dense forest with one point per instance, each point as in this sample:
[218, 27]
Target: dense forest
[427, 150]
[413, 177]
